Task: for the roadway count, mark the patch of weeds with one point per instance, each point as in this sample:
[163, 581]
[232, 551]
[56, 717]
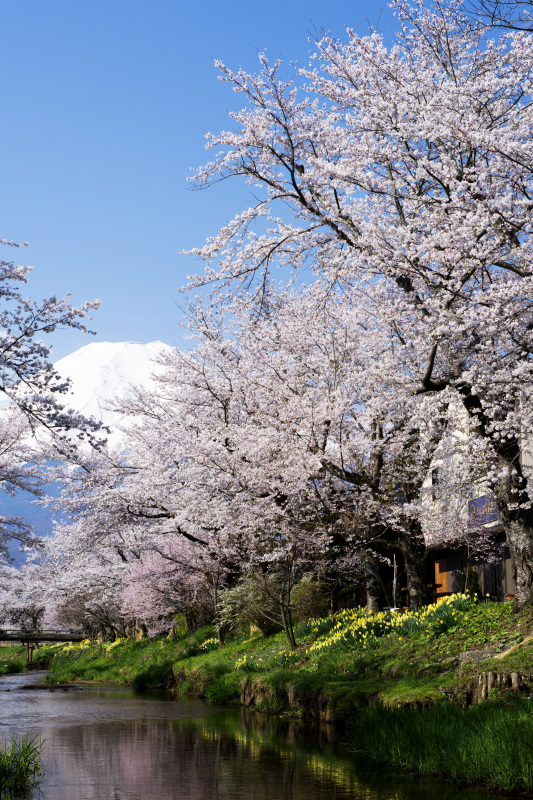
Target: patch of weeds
[185, 686]
[189, 651]
[12, 659]
[279, 678]
[222, 691]
[488, 744]
[218, 669]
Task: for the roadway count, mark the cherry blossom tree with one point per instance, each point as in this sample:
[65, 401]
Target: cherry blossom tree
[275, 445]
[22, 597]
[27, 377]
[411, 167]
[505, 14]
[286, 441]
[32, 389]
[18, 473]
[172, 577]
[84, 583]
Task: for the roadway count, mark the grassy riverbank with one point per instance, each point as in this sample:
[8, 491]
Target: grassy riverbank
[405, 659]
[405, 669]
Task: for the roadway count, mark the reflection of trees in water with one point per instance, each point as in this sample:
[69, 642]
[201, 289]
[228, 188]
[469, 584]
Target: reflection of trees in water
[199, 759]
[216, 758]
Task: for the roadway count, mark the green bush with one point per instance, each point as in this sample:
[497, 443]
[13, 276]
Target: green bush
[250, 602]
[309, 599]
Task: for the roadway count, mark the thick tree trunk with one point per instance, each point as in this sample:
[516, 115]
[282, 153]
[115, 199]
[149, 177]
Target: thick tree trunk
[222, 631]
[518, 526]
[373, 585]
[415, 571]
[520, 541]
[413, 550]
[511, 492]
[141, 631]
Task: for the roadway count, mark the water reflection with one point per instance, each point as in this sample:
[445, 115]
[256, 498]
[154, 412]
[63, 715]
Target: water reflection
[110, 744]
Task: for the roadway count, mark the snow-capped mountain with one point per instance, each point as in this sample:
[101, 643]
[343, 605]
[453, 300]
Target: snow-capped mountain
[98, 373]
[103, 371]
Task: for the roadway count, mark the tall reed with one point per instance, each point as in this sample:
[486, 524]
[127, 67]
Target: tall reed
[20, 765]
[488, 744]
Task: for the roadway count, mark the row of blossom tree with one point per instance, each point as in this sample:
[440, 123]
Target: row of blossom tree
[298, 435]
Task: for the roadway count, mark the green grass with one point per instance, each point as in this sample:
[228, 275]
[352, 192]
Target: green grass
[416, 659]
[489, 743]
[20, 765]
[145, 663]
[13, 659]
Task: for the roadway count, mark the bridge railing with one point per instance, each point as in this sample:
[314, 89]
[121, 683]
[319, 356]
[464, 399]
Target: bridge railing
[43, 634]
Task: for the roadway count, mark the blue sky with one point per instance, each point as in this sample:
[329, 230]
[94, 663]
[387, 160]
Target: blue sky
[106, 104]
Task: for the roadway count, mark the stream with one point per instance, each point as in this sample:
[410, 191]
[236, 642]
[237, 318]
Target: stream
[111, 743]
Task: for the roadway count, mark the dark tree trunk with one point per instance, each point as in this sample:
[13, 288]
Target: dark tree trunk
[519, 537]
[373, 585]
[511, 492]
[286, 621]
[413, 550]
[222, 632]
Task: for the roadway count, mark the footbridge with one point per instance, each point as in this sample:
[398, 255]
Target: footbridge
[32, 637]
[25, 635]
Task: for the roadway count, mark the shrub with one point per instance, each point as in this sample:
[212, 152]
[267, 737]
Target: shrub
[309, 598]
[250, 603]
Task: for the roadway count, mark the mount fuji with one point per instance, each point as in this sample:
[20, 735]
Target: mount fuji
[103, 371]
[98, 373]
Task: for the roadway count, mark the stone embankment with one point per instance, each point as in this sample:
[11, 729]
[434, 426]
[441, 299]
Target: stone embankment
[331, 705]
[485, 685]
[338, 704]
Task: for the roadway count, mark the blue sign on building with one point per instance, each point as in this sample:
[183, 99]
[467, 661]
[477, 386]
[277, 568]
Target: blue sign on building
[483, 510]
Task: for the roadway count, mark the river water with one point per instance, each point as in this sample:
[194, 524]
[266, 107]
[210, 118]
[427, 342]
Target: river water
[109, 743]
